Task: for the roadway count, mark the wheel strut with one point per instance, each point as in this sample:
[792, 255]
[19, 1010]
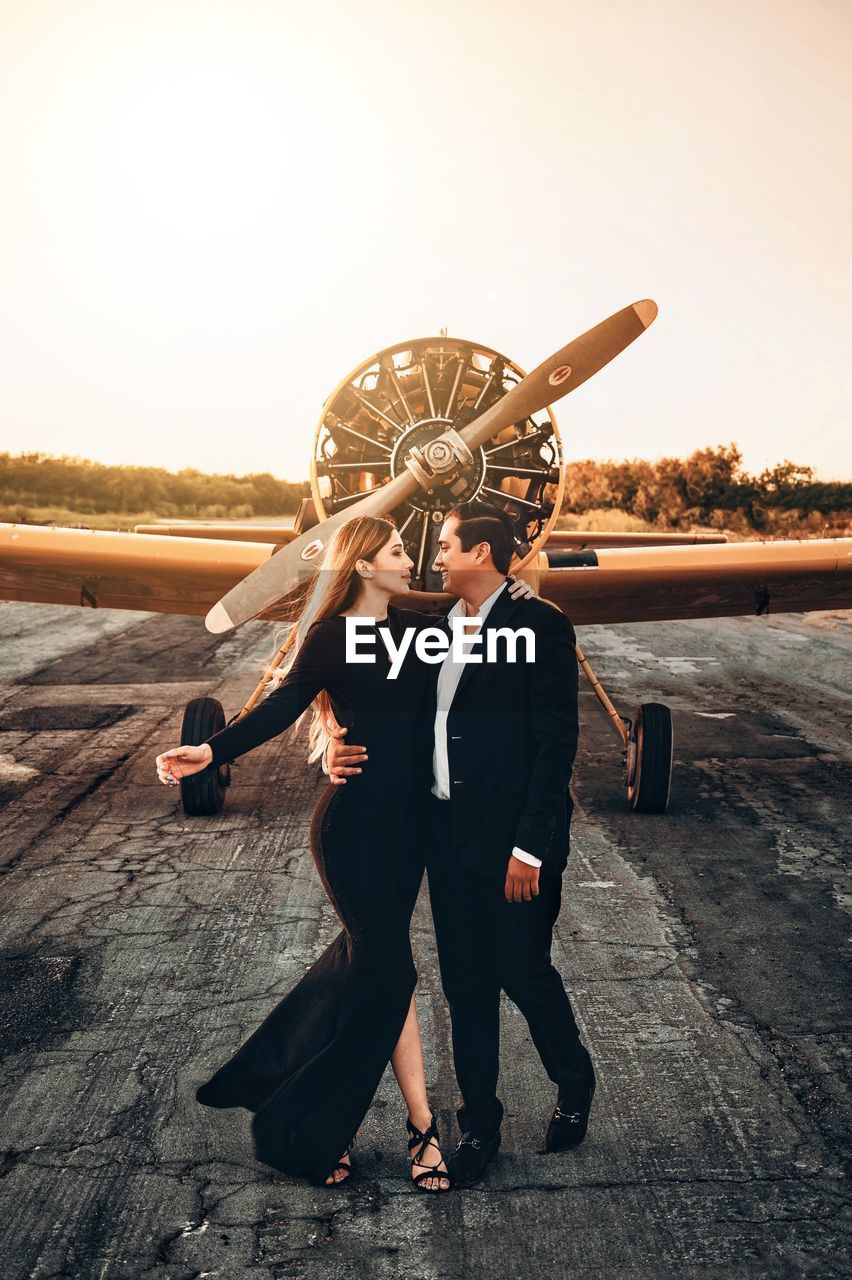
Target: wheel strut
[619, 724]
[646, 743]
[264, 681]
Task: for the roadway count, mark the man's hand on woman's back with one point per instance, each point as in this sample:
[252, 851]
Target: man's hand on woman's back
[342, 759]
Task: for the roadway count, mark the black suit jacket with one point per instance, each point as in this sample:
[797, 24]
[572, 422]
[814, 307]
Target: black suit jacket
[512, 735]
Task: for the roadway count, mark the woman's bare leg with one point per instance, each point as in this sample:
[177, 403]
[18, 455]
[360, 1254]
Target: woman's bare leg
[407, 1063]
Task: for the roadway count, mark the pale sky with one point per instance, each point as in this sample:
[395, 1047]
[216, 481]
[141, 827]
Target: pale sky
[212, 210]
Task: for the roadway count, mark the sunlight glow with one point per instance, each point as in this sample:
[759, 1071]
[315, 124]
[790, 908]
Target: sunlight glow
[218, 207]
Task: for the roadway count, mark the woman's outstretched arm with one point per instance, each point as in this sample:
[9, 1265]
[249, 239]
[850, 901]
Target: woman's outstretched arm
[309, 674]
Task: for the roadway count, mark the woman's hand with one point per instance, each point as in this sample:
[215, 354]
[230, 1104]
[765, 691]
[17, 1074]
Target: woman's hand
[182, 762]
[519, 589]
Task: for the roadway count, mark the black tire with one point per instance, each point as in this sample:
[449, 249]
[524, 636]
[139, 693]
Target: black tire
[649, 759]
[203, 793]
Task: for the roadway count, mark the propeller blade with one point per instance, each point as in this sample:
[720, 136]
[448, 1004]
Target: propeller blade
[283, 571]
[562, 372]
[558, 375]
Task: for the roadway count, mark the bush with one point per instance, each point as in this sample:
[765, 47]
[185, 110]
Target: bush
[710, 487]
[35, 480]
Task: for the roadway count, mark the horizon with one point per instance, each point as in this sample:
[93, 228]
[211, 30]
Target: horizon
[216, 209]
[296, 480]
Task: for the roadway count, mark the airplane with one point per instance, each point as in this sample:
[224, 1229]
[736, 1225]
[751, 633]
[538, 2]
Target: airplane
[413, 430]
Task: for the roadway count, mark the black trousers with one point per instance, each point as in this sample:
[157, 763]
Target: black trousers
[485, 945]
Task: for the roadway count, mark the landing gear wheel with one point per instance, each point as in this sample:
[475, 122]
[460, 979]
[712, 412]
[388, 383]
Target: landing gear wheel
[203, 793]
[649, 759]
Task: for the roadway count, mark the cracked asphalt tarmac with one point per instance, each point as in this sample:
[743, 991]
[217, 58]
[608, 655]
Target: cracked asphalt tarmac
[704, 952]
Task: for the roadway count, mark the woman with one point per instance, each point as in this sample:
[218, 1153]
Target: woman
[311, 1069]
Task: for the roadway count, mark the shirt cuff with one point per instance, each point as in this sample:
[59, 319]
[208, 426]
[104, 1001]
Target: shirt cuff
[529, 858]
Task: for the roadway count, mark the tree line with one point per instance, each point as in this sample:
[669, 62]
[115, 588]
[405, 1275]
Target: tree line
[75, 484]
[710, 487]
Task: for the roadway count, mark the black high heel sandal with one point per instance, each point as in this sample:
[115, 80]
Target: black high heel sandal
[421, 1141]
[341, 1182]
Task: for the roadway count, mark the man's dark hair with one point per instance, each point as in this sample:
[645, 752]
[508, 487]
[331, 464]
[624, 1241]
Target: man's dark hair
[482, 522]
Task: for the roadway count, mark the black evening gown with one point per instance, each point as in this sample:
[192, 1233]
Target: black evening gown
[310, 1070]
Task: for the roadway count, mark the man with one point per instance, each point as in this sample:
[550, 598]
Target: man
[505, 740]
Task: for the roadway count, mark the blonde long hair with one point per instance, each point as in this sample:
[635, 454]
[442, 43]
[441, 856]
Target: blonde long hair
[334, 588]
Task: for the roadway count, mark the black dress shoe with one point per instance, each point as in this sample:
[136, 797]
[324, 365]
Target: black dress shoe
[570, 1120]
[472, 1156]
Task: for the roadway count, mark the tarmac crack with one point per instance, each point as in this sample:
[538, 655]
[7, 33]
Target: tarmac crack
[812, 1099]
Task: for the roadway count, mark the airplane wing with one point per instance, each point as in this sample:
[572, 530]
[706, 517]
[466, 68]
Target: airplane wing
[578, 539]
[659, 583]
[277, 534]
[121, 570]
[559, 539]
[186, 575]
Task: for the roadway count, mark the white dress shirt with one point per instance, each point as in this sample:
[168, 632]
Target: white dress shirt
[449, 676]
